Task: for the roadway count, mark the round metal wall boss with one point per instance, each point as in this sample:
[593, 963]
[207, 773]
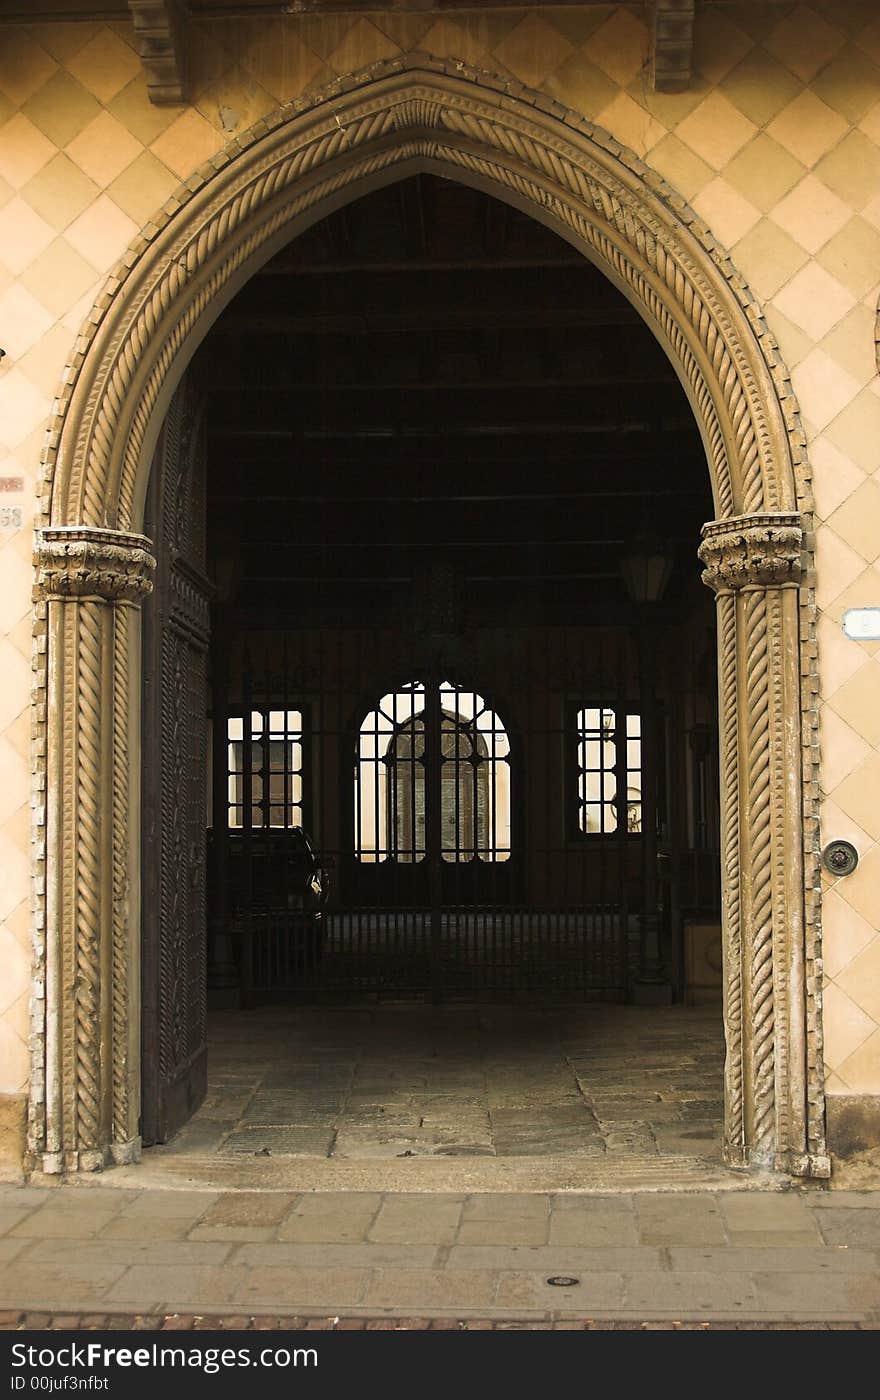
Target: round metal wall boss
[840, 857]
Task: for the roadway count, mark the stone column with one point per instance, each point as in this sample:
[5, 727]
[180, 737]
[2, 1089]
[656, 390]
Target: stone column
[753, 563]
[93, 582]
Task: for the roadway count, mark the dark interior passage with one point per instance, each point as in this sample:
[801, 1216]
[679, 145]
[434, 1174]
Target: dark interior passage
[461, 670]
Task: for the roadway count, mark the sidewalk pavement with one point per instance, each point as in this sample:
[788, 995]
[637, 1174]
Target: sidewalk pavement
[81, 1256]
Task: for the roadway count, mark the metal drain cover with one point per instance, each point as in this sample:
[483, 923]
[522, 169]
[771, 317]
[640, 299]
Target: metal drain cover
[562, 1281]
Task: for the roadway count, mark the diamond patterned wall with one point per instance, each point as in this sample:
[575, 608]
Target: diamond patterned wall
[777, 146]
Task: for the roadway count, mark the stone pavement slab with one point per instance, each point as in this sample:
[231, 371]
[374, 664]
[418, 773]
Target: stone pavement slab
[756, 1257]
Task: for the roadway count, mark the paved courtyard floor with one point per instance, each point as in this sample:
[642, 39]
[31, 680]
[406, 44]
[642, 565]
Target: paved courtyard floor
[551, 1095]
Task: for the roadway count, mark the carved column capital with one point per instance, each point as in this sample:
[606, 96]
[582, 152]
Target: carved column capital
[752, 551]
[79, 561]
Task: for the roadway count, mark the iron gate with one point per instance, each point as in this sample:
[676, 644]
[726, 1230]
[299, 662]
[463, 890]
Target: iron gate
[473, 829]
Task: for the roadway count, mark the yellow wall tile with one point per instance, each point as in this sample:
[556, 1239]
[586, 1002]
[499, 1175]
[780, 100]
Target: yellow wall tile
[60, 192]
[103, 149]
[716, 130]
[23, 151]
[860, 1071]
[104, 65]
[24, 66]
[187, 143]
[804, 42]
[807, 127]
[61, 107]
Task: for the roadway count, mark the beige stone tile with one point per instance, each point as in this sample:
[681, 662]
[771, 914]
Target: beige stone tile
[811, 213]
[102, 233]
[856, 430]
[44, 363]
[448, 39]
[61, 108]
[795, 346]
[14, 1056]
[833, 1083]
[133, 108]
[870, 124]
[619, 46]
[861, 980]
[823, 387]
[142, 189]
[851, 344]
[861, 890]
[857, 521]
[187, 143]
[857, 795]
[814, 300]
[579, 84]
[22, 408]
[23, 151]
[103, 149]
[684, 170]
[13, 794]
[64, 39]
[23, 234]
[718, 46]
[60, 276]
[839, 656]
[716, 130]
[807, 127]
[849, 84]
[24, 320]
[763, 172]
[16, 964]
[804, 42]
[60, 192]
[768, 257]
[24, 66]
[868, 39]
[363, 44]
[852, 169]
[104, 65]
[858, 701]
[631, 124]
[283, 70]
[729, 215]
[669, 108]
[853, 256]
[841, 751]
[74, 319]
[236, 103]
[860, 1072]
[432, 1288]
[846, 1026]
[760, 86]
[845, 933]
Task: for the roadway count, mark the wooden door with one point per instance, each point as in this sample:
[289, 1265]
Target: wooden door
[174, 1024]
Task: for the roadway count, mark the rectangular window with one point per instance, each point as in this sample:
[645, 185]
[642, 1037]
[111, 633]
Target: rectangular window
[265, 770]
[608, 762]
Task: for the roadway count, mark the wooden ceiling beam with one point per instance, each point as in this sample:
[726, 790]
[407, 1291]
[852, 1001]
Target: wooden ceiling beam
[160, 31]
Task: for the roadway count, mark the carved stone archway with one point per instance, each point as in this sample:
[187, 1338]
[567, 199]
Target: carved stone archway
[412, 115]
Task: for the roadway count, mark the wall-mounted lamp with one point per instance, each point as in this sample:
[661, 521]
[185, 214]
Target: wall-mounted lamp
[646, 565]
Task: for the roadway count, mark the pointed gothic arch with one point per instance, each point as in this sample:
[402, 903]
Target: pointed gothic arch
[93, 568]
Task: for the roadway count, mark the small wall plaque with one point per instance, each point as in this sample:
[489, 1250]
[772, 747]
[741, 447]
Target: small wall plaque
[863, 624]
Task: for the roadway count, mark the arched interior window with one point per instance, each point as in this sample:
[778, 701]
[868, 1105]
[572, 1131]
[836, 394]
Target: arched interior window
[444, 751]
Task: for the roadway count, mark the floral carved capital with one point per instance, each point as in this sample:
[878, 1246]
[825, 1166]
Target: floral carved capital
[79, 561]
[752, 551]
